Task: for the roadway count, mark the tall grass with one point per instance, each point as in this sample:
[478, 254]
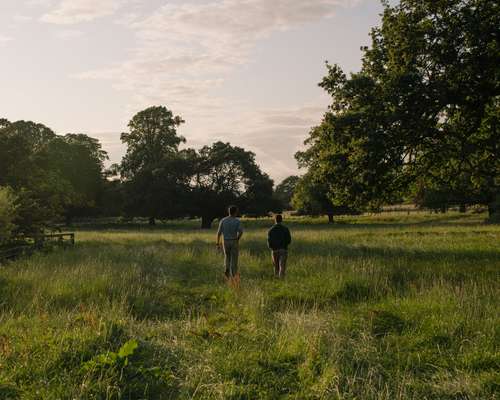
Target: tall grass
[374, 307]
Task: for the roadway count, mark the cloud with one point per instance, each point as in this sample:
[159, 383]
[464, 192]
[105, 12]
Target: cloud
[197, 42]
[5, 39]
[22, 18]
[69, 12]
[39, 3]
[183, 51]
[68, 34]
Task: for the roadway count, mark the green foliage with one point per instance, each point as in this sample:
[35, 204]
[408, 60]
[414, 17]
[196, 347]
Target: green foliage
[111, 359]
[423, 109]
[161, 181]
[151, 139]
[156, 173]
[225, 175]
[51, 175]
[310, 197]
[285, 190]
[7, 213]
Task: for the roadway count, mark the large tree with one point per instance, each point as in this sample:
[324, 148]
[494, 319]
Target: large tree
[155, 171]
[424, 108]
[225, 175]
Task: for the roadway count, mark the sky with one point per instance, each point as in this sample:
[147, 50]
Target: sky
[242, 71]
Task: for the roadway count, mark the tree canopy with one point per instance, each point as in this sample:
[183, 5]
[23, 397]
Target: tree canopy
[423, 110]
[163, 181]
[224, 175]
[51, 175]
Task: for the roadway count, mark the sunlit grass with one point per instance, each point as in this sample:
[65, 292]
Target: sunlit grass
[390, 306]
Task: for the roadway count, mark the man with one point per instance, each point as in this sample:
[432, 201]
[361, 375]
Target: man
[230, 228]
[278, 240]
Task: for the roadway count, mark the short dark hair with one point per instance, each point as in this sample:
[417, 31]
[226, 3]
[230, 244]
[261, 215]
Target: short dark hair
[233, 210]
[278, 218]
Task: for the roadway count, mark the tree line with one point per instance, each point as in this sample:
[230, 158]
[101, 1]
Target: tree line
[46, 177]
[419, 123]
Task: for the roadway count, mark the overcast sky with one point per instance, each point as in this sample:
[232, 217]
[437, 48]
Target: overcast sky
[243, 71]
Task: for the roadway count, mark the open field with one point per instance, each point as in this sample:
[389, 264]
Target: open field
[393, 306]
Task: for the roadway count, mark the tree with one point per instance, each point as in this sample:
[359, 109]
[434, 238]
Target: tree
[51, 175]
[224, 175]
[7, 213]
[424, 106]
[285, 190]
[258, 199]
[152, 137]
[155, 172]
[20, 145]
[78, 160]
[310, 198]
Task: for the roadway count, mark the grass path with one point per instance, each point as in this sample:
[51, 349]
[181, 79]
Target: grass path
[374, 307]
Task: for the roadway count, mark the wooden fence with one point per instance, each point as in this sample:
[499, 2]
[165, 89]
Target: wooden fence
[37, 243]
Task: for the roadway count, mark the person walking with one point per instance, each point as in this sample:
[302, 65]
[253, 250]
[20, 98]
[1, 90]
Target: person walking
[231, 230]
[278, 240]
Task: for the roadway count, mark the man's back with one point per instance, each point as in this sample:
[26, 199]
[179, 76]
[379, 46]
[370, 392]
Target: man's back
[229, 227]
[279, 237]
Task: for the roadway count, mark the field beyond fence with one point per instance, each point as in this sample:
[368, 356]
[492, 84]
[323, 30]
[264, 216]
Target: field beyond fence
[389, 306]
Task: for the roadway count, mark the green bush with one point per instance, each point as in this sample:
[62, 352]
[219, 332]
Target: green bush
[7, 213]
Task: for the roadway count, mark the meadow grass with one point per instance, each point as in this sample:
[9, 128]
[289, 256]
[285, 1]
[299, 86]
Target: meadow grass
[390, 306]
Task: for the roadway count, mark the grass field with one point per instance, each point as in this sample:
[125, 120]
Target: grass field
[392, 306]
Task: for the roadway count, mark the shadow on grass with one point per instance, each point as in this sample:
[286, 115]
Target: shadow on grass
[351, 252]
[349, 293]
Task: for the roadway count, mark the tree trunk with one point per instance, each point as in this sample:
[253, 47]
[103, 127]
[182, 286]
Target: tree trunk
[462, 208]
[494, 209]
[206, 222]
[330, 218]
[152, 221]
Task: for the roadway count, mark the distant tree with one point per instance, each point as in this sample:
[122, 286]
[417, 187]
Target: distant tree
[156, 174]
[224, 175]
[78, 160]
[310, 198]
[7, 213]
[152, 137]
[20, 145]
[425, 105]
[51, 175]
[40, 192]
[258, 199]
[285, 190]
[112, 200]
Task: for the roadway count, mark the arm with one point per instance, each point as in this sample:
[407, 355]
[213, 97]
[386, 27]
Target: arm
[219, 234]
[288, 237]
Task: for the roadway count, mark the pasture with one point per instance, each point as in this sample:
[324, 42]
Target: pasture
[391, 306]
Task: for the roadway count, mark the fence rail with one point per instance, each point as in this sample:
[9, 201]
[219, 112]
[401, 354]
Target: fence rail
[38, 243]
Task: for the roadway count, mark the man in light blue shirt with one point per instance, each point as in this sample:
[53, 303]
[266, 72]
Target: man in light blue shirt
[230, 229]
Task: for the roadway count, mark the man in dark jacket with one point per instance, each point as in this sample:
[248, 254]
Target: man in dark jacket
[278, 239]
